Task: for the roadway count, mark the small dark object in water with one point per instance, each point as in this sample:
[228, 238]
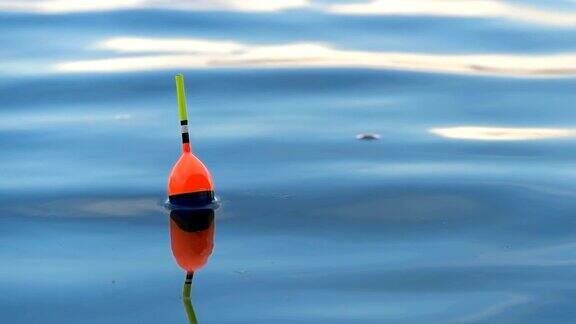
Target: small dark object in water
[368, 136]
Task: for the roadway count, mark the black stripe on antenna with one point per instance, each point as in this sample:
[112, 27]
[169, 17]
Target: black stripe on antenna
[185, 138]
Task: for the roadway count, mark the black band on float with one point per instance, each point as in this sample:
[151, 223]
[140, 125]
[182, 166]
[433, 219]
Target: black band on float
[194, 199]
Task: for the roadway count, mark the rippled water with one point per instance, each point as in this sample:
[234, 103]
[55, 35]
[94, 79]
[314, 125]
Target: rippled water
[462, 211]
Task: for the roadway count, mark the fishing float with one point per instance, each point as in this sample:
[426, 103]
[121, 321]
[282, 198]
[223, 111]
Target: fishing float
[190, 183]
[192, 202]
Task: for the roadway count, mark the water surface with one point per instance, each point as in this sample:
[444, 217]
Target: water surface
[314, 225]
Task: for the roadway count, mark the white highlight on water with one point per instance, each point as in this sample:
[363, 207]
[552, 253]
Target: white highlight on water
[501, 133]
[459, 8]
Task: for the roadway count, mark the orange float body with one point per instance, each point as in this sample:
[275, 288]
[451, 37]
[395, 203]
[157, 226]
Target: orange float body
[190, 183]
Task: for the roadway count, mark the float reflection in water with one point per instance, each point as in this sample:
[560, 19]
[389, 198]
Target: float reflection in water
[192, 241]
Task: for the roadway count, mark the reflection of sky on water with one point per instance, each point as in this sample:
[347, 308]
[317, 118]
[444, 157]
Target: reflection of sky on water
[455, 8]
[315, 45]
[206, 54]
[66, 6]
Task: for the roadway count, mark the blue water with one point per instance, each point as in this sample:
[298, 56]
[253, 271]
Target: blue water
[314, 226]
